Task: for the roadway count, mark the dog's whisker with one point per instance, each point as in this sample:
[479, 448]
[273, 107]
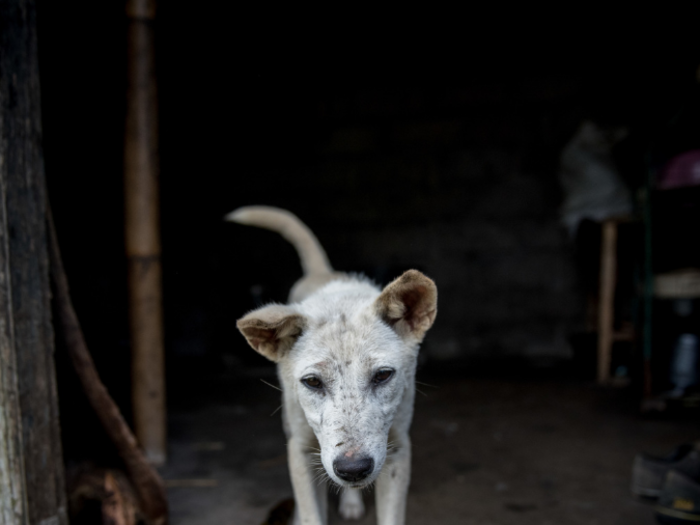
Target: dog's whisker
[276, 410]
[426, 384]
[321, 478]
[421, 392]
[270, 384]
[317, 477]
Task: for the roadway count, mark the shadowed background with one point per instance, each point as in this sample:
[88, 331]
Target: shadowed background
[428, 147]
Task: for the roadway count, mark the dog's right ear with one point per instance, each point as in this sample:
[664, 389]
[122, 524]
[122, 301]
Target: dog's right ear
[408, 305]
[272, 330]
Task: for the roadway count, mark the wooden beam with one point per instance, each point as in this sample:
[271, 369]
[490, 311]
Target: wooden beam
[141, 167]
[31, 459]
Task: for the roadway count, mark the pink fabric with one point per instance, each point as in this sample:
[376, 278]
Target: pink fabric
[682, 170]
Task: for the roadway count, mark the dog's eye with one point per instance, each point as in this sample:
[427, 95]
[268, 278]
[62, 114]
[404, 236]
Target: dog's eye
[382, 376]
[313, 382]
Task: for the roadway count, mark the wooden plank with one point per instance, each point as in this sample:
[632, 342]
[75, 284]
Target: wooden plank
[141, 170]
[27, 314]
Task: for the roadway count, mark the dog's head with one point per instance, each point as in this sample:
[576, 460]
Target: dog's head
[349, 361]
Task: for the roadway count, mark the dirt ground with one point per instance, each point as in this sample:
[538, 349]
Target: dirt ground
[485, 452]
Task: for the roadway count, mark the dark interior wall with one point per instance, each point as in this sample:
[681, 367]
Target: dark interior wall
[458, 181]
[436, 149]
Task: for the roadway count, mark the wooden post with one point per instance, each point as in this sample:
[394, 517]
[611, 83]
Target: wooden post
[32, 488]
[142, 232]
[648, 281]
[13, 497]
[606, 309]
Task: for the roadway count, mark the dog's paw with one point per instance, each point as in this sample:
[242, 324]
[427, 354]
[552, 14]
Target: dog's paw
[351, 505]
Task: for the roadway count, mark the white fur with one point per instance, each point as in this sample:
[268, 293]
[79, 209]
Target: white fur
[343, 332]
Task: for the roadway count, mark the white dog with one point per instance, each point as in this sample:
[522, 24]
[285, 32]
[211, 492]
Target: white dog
[346, 358]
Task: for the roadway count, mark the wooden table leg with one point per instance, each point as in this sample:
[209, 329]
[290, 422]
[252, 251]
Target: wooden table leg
[606, 305]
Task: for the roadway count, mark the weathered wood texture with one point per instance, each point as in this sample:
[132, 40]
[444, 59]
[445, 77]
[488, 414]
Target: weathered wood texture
[26, 316]
[141, 170]
[13, 504]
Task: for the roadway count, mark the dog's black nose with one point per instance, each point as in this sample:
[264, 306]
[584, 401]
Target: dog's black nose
[351, 469]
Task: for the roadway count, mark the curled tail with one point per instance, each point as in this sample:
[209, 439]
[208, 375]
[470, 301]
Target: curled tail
[313, 259]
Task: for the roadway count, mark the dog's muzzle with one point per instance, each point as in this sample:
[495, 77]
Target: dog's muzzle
[351, 469]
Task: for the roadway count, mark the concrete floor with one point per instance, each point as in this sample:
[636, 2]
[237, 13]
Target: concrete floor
[486, 452]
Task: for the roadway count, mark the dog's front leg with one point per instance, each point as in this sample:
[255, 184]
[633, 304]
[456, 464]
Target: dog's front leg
[392, 485]
[309, 506]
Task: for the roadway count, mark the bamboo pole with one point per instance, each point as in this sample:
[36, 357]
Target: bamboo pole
[141, 167]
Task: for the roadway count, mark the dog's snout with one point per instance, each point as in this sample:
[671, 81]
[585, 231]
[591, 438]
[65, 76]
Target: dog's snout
[351, 469]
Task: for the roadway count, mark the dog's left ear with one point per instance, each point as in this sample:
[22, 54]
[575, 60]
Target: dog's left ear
[408, 305]
[272, 330]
